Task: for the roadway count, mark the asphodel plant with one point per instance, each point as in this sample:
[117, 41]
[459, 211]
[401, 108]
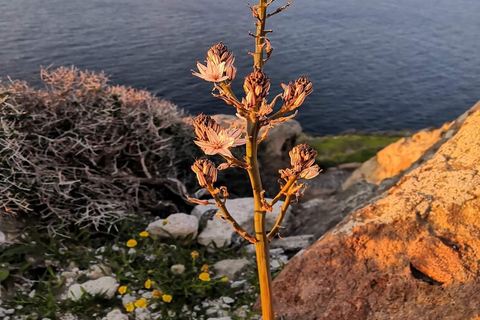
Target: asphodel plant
[259, 117]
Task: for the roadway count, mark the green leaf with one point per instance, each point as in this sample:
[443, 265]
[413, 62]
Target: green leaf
[4, 273]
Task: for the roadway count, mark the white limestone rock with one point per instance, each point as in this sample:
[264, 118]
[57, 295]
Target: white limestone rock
[294, 243]
[97, 271]
[115, 314]
[104, 285]
[177, 225]
[230, 267]
[220, 231]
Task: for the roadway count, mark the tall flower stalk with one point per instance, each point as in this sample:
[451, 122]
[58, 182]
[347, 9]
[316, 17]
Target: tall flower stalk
[260, 118]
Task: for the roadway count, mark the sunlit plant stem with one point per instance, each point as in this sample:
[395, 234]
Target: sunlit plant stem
[254, 108]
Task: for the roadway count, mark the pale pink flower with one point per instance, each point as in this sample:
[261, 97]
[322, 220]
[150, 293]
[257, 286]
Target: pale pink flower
[212, 72]
[221, 142]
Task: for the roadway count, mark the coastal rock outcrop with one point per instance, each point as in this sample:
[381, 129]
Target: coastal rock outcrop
[413, 253]
[397, 157]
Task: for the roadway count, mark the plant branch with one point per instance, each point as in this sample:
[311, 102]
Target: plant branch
[284, 190]
[281, 216]
[280, 9]
[227, 216]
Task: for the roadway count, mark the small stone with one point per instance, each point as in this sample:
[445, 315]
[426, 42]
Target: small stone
[230, 267]
[97, 271]
[177, 225]
[131, 251]
[68, 316]
[147, 295]
[238, 284]
[104, 285]
[228, 300]
[211, 311]
[3, 238]
[127, 298]
[10, 311]
[115, 314]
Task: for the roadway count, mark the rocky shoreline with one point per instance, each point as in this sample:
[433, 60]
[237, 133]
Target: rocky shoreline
[386, 239]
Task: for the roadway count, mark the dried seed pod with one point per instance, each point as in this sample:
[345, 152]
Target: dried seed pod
[206, 172]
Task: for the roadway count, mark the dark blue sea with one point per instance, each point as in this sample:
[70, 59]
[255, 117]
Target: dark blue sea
[375, 64]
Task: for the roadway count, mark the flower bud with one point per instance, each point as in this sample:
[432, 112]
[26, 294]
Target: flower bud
[201, 123]
[256, 87]
[294, 94]
[206, 171]
[219, 53]
[302, 158]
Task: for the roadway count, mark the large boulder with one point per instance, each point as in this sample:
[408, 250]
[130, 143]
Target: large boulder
[397, 157]
[412, 254]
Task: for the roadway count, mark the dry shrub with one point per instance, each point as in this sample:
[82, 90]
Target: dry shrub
[80, 151]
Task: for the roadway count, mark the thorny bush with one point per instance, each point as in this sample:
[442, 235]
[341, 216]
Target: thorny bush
[84, 152]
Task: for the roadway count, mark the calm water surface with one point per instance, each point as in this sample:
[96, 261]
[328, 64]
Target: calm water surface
[375, 64]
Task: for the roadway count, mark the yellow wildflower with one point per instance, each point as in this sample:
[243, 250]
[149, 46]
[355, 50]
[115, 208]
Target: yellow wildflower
[129, 307]
[156, 293]
[204, 276]
[144, 234]
[224, 279]
[165, 221]
[167, 298]
[122, 289]
[148, 284]
[205, 267]
[141, 303]
[194, 254]
[131, 243]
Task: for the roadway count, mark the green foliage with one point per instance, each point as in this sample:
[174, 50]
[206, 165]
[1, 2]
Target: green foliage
[37, 264]
[335, 150]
